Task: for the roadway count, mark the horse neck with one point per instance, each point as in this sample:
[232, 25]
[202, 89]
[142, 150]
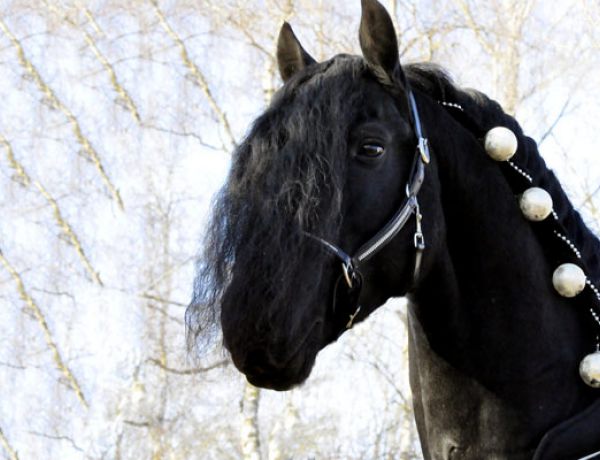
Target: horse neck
[486, 302]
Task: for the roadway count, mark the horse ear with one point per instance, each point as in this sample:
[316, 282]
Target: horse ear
[378, 40]
[291, 57]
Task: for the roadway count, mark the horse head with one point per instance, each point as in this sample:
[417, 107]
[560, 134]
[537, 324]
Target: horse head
[355, 168]
[333, 160]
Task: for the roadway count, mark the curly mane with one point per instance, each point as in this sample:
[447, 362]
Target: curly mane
[286, 178]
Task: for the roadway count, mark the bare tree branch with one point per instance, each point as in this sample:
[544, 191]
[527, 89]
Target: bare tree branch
[590, 196]
[12, 453]
[117, 86]
[551, 128]
[166, 314]
[195, 371]
[12, 366]
[57, 103]
[41, 319]
[197, 74]
[475, 27]
[250, 437]
[58, 438]
[120, 90]
[183, 134]
[137, 424]
[161, 300]
[58, 216]
[167, 273]
[90, 17]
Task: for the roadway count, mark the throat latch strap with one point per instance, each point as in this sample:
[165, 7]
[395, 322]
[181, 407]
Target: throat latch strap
[409, 207]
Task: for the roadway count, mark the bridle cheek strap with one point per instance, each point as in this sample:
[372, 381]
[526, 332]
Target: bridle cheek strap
[410, 206]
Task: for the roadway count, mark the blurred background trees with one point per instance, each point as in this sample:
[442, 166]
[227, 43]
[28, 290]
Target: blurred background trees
[116, 127]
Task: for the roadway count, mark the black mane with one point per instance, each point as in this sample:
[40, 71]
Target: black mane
[286, 179]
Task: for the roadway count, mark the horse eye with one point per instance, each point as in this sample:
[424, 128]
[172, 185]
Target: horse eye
[371, 150]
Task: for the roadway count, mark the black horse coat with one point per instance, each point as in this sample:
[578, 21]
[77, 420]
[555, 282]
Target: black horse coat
[494, 350]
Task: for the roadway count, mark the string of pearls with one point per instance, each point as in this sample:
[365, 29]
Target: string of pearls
[536, 204]
[452, 104]
[568, 279]
[570, 244]
[520, 171]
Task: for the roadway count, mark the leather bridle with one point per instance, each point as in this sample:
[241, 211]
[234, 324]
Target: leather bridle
[410, 205]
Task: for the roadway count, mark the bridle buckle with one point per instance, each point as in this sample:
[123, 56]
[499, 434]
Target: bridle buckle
[423, 147]
[419, 239]
[349, 273]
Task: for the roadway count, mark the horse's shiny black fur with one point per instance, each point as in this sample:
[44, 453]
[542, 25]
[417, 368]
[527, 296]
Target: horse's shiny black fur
[494, 350]
[269, 281]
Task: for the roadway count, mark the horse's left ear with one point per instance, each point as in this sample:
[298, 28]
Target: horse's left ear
[378, 40]
[291, 57]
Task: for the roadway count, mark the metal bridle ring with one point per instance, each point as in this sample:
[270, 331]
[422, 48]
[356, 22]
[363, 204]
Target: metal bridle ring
[349, 274]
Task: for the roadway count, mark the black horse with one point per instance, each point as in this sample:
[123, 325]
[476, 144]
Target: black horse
[363, 181]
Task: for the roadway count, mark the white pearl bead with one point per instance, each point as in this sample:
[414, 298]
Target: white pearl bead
[568, 280]
[500, 143]
[536, 204]
[589, 369]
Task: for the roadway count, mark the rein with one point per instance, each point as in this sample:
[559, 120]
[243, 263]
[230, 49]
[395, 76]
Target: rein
[410, 205]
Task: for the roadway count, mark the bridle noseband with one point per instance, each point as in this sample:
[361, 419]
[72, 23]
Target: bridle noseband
[410, 205]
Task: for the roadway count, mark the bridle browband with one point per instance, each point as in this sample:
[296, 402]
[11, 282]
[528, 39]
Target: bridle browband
[409, 206]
